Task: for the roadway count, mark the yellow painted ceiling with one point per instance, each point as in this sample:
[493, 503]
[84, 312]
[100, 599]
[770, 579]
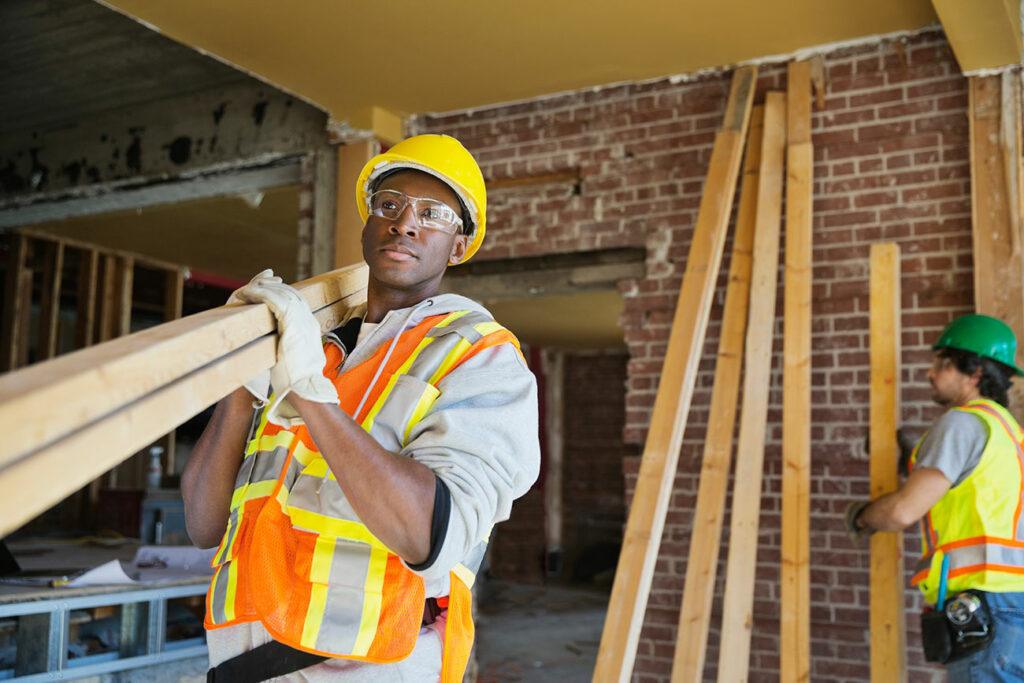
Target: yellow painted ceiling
[587, 320]
[412, 56]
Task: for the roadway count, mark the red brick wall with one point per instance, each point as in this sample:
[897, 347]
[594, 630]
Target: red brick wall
[593, 487]
[891, 163]
[592, 482]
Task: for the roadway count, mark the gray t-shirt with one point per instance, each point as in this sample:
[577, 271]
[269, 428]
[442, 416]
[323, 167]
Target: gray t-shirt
[954, 445]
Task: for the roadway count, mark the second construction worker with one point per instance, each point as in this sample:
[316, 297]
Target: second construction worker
[353, 508]
[965, 485]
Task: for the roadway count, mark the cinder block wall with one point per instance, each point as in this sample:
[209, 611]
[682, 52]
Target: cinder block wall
[891, 163]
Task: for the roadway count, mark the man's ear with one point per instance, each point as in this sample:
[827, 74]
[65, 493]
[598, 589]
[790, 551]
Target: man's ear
[458, 249]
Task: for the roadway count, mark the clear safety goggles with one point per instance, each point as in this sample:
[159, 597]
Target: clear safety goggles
[431, 214]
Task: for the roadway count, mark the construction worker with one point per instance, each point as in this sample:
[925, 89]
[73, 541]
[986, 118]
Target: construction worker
[353, 508]
[965, 485]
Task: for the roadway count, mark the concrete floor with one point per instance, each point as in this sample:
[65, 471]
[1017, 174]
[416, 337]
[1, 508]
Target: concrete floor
[541, 634]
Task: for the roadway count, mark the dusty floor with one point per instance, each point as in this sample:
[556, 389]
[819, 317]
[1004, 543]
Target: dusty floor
[541, 634]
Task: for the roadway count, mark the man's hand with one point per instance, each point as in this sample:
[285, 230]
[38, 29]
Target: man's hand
[300, 353]
[258, 386]
[854, 528]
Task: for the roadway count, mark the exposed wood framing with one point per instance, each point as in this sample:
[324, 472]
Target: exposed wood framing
[795, 605]
[325, 212]
[705, 539]
[996, 196]
[174, 294]
[146, 383]
[347, 227]
[49, 310]
[13, 319]
[737, 611]
[646, 521]
[88, 273]
[107, 300]
[888, 626]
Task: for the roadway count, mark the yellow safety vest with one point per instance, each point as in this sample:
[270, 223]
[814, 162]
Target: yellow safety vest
[295, 556]
[978, 522]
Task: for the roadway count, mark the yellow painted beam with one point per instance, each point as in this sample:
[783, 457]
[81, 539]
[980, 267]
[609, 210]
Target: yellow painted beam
[984, 34]
[388, 126]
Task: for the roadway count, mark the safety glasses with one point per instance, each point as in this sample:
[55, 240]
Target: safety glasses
[431, 214]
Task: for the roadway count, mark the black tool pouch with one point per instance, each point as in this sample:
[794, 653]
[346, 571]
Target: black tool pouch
[962, 627]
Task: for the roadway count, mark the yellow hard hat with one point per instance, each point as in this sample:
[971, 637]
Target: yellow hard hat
[443, 157]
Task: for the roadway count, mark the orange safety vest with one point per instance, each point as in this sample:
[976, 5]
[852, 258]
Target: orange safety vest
[295, 556]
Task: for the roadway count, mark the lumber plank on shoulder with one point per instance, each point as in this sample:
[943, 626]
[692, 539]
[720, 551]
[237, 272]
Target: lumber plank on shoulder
[99, 380]
[888, 625]
[794, 573]
[29, 483]
[646, 520]
[705, 539]
[737, 614]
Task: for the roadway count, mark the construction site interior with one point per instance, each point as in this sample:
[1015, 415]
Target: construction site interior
[725, 233]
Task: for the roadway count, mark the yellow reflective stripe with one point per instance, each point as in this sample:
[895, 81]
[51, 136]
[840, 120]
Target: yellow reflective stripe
[488, 328]
[318, 468]
[453, 356]
[229, 598]
[331, 526]
[282, 439]
[402, 369]
[256, 489]
[373, 599]
[319, 574]
[422, 405]
[462, 571]
[303, 454]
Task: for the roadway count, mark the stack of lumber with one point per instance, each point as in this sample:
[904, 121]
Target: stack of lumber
[779, 163]
[70, 419]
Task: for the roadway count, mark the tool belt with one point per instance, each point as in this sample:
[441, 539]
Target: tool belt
[960, 628]
[277, 659]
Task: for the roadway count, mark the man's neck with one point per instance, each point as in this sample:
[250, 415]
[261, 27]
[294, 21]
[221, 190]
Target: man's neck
[380, 300]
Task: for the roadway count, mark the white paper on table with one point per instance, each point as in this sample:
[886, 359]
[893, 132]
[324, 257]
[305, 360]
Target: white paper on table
[109, 573]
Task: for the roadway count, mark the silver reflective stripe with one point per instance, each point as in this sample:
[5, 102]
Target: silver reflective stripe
[345, 596]
[985, 553]
[219, 594]
[390, 423]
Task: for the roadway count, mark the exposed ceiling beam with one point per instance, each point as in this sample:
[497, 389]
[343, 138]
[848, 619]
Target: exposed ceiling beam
[985, 34]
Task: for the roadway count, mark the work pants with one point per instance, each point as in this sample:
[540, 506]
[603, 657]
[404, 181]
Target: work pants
[1003, 660]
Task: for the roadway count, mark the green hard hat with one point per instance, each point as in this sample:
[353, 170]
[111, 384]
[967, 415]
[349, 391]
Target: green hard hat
[984, 335]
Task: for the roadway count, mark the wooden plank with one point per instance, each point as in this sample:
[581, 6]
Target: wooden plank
[49, 312]
[794, 573]
[888, 624]
[100, 380]
[998, 266]
[646, 520]
[705, 538]
[10, 333]
[106, 299]
[30, 483]
[737, 614]
[124, 281]
[88, 273]
[24, 320]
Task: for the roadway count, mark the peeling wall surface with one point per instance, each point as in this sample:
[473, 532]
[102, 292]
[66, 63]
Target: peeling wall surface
[91, 99]
[247, 122]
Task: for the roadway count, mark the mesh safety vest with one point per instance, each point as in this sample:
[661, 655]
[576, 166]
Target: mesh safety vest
[295, 556]
[978, 522]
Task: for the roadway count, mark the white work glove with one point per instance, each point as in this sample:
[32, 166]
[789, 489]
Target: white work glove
[300, 353]
[258, 386]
